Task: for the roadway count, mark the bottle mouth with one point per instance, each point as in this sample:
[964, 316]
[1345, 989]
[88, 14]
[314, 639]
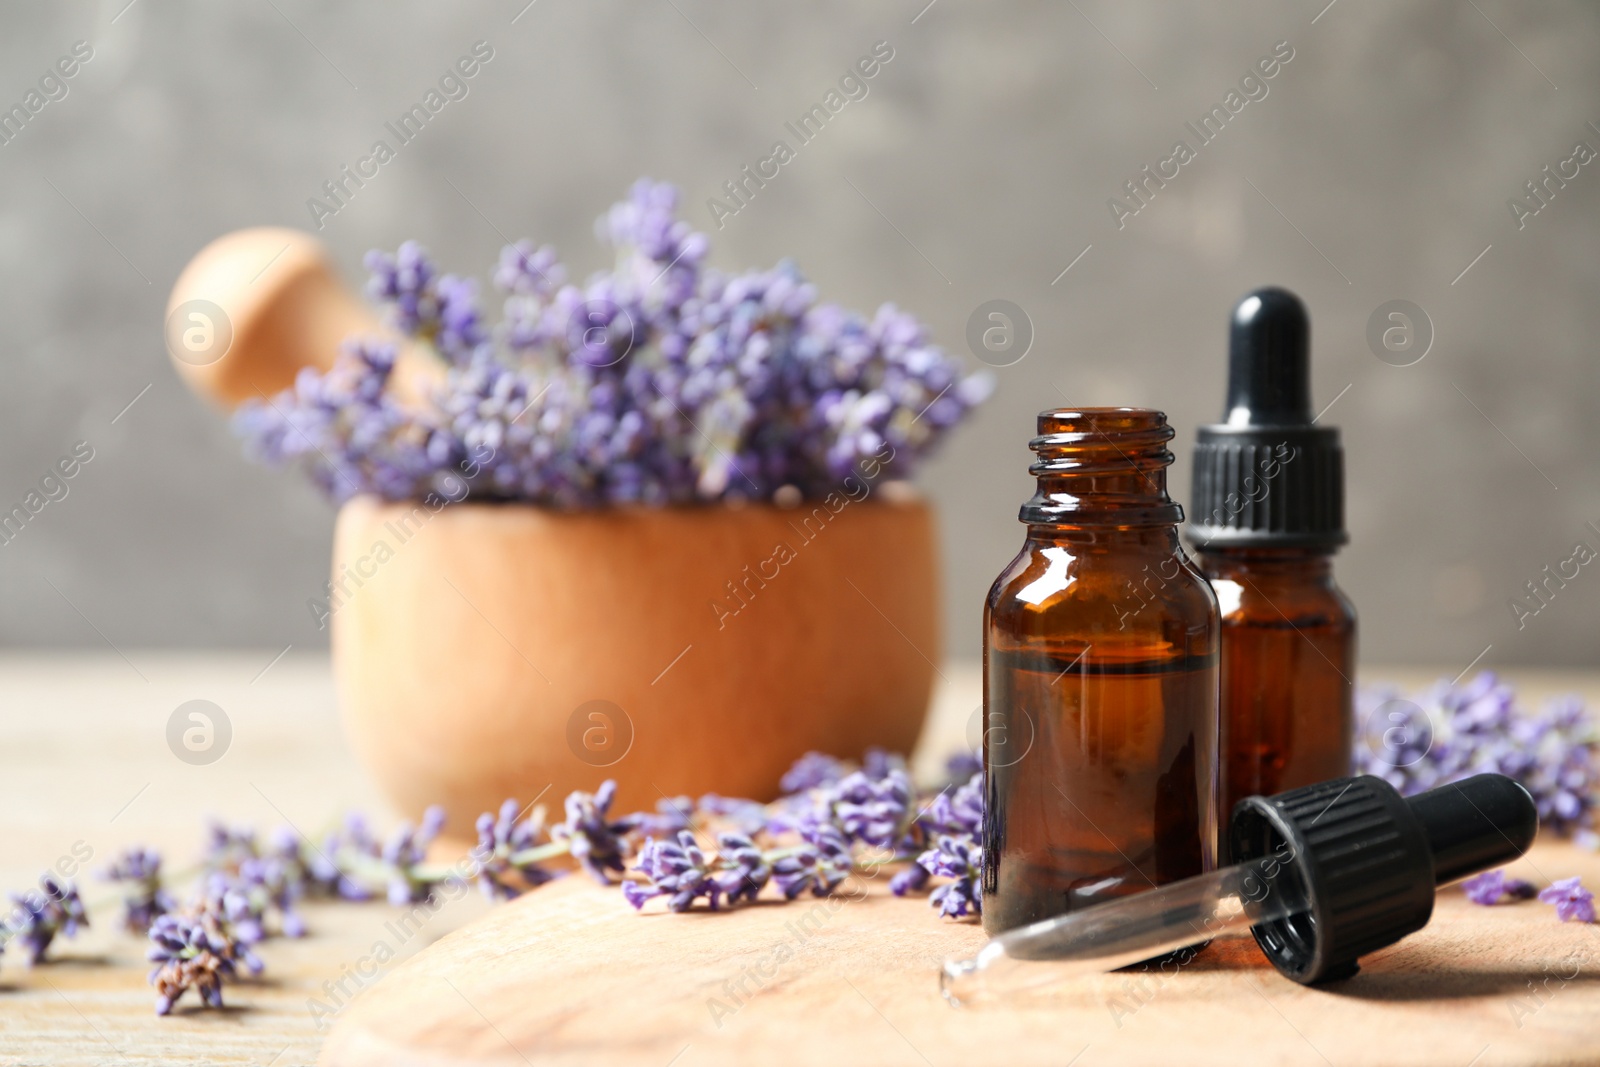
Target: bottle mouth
[1101, 466]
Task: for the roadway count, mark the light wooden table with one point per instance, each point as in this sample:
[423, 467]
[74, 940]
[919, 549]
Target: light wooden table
[85, 765]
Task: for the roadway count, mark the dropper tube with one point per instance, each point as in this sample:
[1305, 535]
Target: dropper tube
[1326, 874]
[1119, 933]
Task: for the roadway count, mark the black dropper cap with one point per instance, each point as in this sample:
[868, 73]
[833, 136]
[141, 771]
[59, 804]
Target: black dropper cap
[1266, 477]
[1366, 860]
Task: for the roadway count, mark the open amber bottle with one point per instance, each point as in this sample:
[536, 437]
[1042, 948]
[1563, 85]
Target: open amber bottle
[1100, 680]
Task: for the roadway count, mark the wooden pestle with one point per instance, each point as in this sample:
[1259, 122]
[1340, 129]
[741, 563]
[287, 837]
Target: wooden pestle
[254, 306]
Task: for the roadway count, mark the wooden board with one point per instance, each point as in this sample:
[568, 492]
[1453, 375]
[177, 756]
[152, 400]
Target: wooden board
[85, 762]
[571, 975]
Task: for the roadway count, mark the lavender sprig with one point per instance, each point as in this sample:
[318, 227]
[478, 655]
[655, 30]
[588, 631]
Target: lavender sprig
[195, 951]
[145, 899]
[681, 871]
[1452, 732]
[959, 859]
[593, 838]
[38, 916]
[507, 852]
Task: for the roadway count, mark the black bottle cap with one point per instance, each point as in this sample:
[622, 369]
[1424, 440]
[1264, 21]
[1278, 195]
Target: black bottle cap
[1266, 477]
[1367, 860]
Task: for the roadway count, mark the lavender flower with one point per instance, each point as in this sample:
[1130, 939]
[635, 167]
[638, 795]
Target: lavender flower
[963, 765]
[227, 846]
[958, 811]
[1573, 902]
[195, 951]
[145, 899]
[672, 814]
[504, 869]
[1456, 731]
[1491, 887]
[810, 771]
[39, 915]
[405, 855]
[660, 381]
[681, 871]
[678, 870]
[819, 865]
[874, 812]
[746, 816]
[961, 859]
[593, 838]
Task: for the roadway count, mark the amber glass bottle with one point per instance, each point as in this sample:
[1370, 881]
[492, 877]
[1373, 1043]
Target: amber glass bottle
[1100, 680]
[1268, 516]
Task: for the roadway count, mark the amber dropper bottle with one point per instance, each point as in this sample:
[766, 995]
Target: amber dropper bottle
[1100, 680]
[1268, 514]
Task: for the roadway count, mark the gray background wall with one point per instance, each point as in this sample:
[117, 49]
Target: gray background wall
[1377, 168]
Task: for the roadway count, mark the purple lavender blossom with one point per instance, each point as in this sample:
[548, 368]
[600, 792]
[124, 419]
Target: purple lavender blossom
[1453, 732]
[592, 836]
[681, 871]
[678, 870]
[810, 771]
[958, 811]
[914, 878]
[405, 855]
[960, 859]
[661, 381]
[39, 915]
[405, 283]
[195, 951]
[1573, 902]
[874, 812]
[502, 841]
[963, 765]
[145, 899]
[746, 816]
[672, 815]
[819, 865]
[1491, 887]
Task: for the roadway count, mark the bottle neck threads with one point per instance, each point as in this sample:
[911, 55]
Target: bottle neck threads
[1103, 467]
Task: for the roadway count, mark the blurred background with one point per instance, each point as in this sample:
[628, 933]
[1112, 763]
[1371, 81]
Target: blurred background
[1379, 166]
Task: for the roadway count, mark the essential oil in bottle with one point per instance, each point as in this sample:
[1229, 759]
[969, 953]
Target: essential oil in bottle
[1100, 680]
[1268, 514]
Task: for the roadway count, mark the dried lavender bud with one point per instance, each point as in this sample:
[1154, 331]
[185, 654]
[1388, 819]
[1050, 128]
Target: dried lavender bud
[746, 816]
[956, 812]
[592, 837]
[195, 951]
[1491, 887]
[819, 865]
[677, 870]
[877, 763]
[405, 855]
[745, 870]
[963, 765]
[39, 915]
[503, 841]
[1573, 902]
[681, 871]
[961, 859]
[145, 899]
[672, 815]
[913, 879]
[227, 846]
[874, 812]
[810, 771]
